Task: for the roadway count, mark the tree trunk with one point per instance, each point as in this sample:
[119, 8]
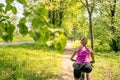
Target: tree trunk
[60, 13]
[90, 11]
[56, 15]
[91, 30]
[50, 14]
[112, 10]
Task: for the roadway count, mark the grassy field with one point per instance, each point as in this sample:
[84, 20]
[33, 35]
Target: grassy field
[29, 62]
[34, 62]
[107, 66]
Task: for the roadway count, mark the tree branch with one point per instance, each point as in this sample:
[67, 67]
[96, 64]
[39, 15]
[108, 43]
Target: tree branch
[83, 3]
[87, 6]
[93, 6]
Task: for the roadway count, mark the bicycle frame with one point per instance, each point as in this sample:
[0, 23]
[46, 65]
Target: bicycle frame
[82, 76]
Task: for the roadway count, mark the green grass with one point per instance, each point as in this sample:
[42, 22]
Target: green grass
[35, 62]
[29, 62]
[107, 66]
[22, 38]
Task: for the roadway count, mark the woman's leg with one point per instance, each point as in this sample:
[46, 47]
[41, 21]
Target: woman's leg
[88, 76]
[77, 74]
[87, 69]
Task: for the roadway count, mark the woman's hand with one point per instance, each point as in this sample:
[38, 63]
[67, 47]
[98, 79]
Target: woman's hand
[92, 61]
[72, 59]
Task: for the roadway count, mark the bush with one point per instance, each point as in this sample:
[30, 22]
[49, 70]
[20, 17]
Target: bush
[115, 44]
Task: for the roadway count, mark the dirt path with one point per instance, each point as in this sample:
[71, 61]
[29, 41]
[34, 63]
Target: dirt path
[15, 43]
[67, 69]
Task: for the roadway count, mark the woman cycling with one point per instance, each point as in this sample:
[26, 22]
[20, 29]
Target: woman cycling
[83, 56]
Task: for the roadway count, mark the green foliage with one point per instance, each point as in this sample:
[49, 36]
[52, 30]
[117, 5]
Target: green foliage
[6, 26]
[8, 7]
[1, 7]
[23, 29]
[115, 44]
[7, 30]
[74, 18]
[57, 39]
[42, 31]
[60, 42]
[23, 20]
[22, 1]
[14, 10]
[63, 41]
[103, 23]
[26, 13]
[9, 1]
[37, 23]
[47, 16]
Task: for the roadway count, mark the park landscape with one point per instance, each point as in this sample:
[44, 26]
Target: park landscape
[37, 38]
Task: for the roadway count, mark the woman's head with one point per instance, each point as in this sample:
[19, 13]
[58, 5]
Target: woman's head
[84, 41]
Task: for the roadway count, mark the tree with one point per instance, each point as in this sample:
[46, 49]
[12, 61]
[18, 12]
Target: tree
[73, 19]
[115, 41]
[37, 15]
[90, 4]
[107, 22]
[55, 12]
[45, 22]
[6, 26]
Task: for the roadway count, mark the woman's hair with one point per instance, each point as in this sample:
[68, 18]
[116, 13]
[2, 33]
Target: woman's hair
[84, 41]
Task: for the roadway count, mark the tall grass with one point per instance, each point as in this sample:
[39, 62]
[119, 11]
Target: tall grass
[107, 66]
[29, 62]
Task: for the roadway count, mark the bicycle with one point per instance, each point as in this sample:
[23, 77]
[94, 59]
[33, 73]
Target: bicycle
[83, 77]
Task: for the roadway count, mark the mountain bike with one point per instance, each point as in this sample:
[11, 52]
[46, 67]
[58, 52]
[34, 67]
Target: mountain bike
[84, 75]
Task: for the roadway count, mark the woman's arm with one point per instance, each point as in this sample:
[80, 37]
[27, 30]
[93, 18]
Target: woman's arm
[71, 58]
